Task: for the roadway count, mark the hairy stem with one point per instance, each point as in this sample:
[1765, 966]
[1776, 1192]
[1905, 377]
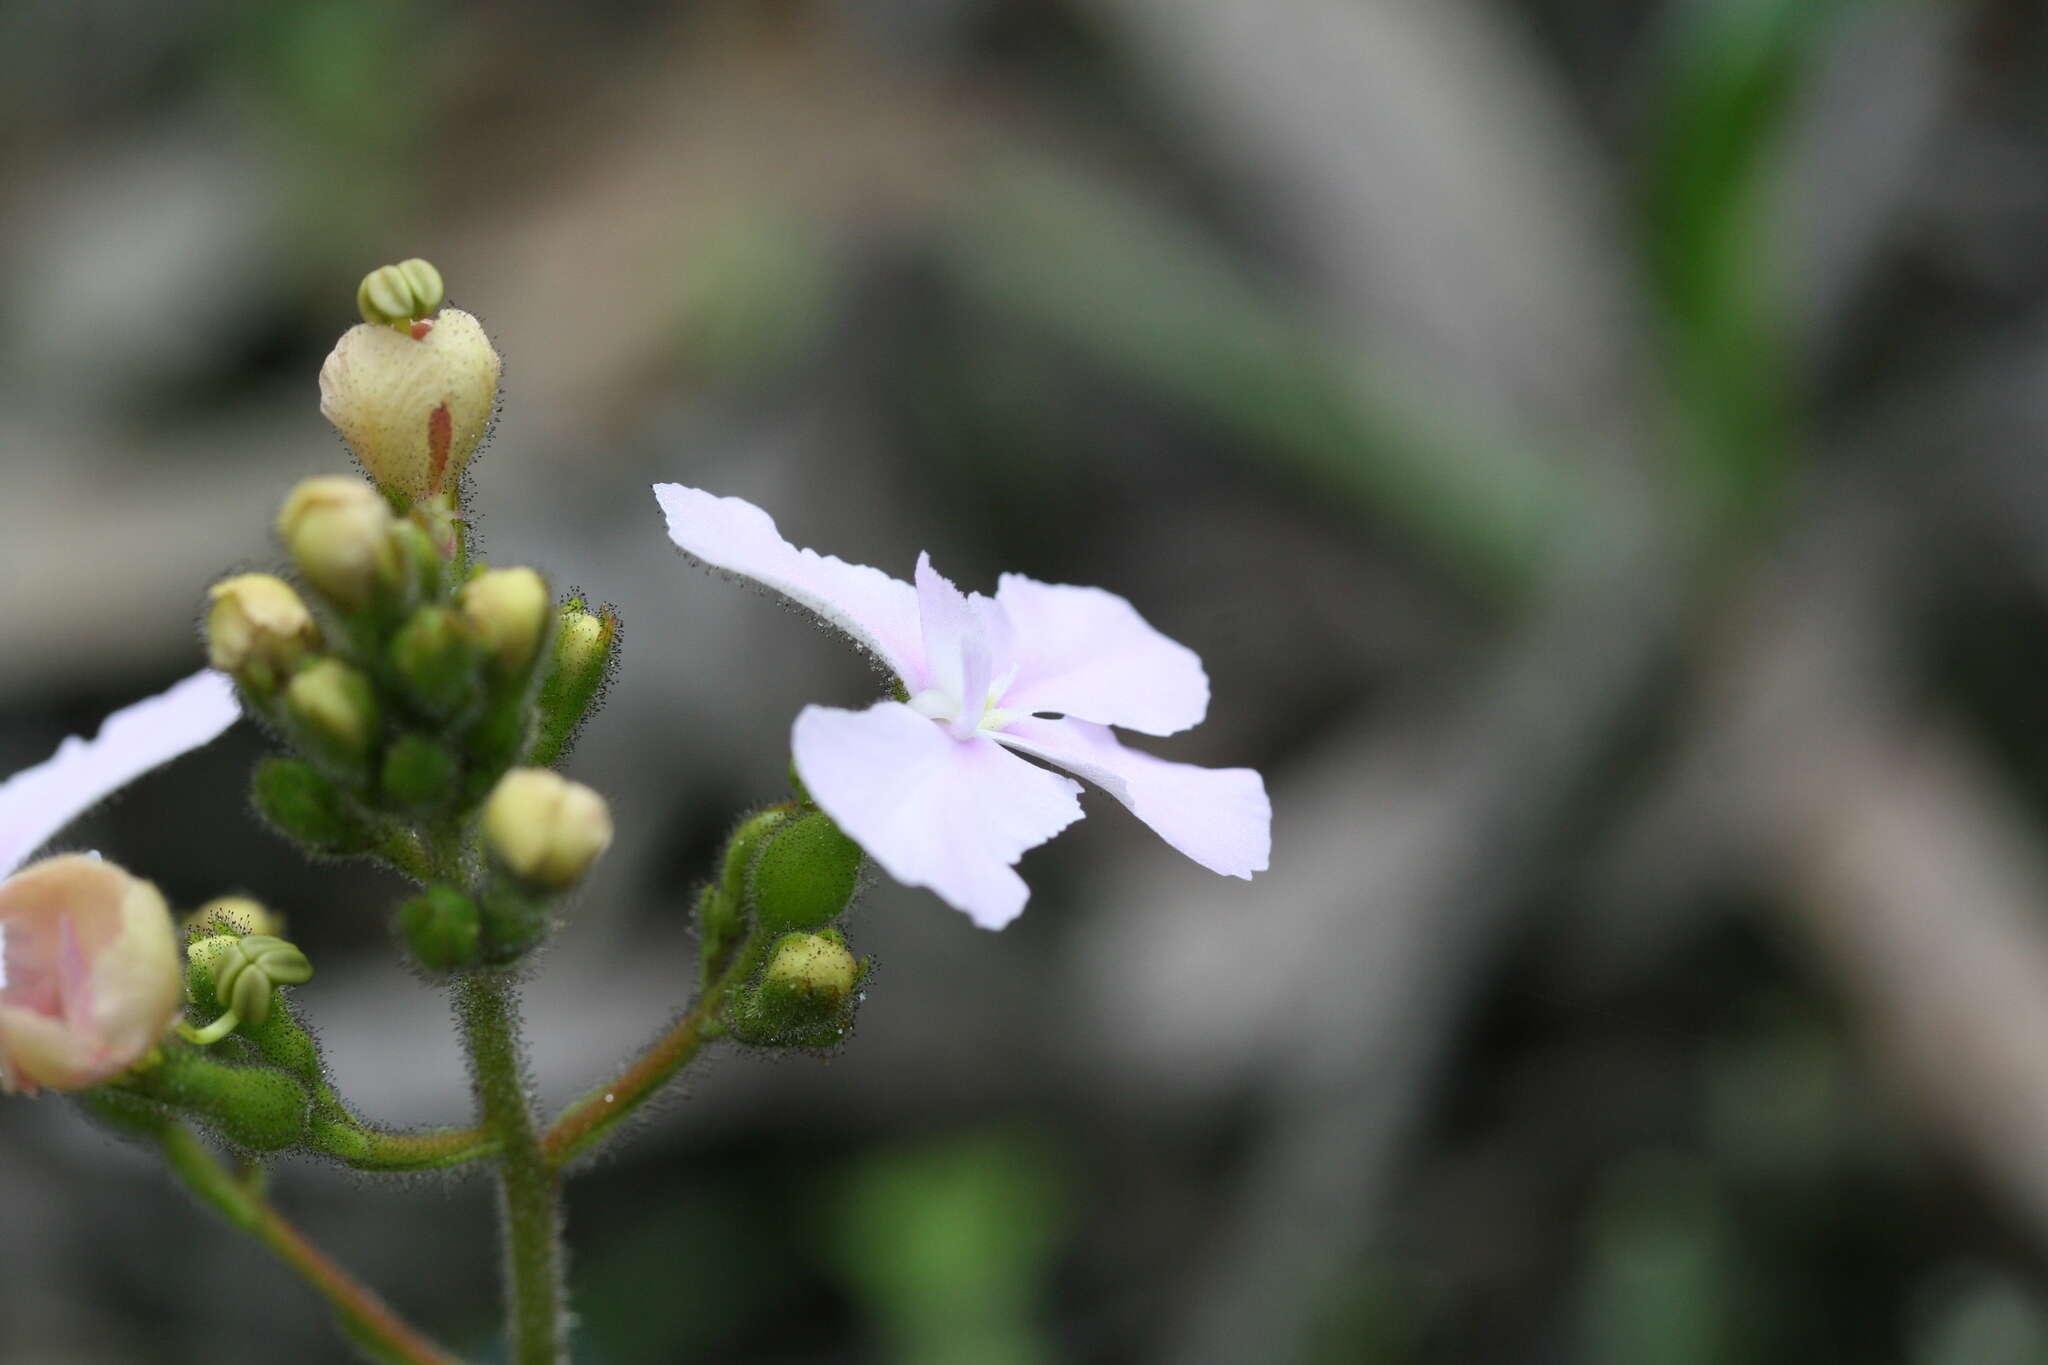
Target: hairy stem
[353, 1143]
[365, 1317]
[529, 1205]
[594, 1115]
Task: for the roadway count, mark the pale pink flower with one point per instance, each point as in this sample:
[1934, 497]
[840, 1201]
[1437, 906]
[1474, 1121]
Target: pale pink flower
[38, 802]
[93, 973]
[933, 787]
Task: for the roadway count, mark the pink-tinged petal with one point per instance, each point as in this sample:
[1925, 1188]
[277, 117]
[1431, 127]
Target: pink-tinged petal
[1086, 652]
[1220, 817]
[956, 645]
[953, 815]
[38, 802]
[94, 975]
[878, 611]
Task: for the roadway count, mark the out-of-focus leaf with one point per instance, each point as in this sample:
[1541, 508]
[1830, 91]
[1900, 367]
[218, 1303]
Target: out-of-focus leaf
[947, 1246]
[1664, 1279]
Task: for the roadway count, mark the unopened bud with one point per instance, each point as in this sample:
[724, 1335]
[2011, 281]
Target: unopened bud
[338, 532]
[337, 707]
[304, 804]
[257, 629]
[576, 674]
[419, 772]
[234, 915]
[805, 997]
[508, 609]
[441, 928]
[820, 965]
[395, 295]
[435, 654]
[545, 828]
[412, 405]
[806, 876]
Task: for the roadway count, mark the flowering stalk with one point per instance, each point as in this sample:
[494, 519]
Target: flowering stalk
[529, 1202]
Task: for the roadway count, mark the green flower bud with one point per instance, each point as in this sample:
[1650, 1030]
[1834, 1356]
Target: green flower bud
[435, 655]
[419, 772]
[397, 295]
[338, 532]
[546, 829]
[582, 658]
[336, 707]
[304, 804]
[257, 629]
[721, 910]
[806, 876]
[508, 609]
[235, 915]
[514, 921]
[441, 929]
[806, 995]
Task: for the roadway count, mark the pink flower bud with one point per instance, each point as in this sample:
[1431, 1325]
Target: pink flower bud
[93, 977]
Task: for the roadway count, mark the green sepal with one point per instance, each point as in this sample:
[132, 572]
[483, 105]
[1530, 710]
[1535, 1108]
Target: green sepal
[123, 1111]
[722, 906]
[250, 1106]
[284, 1043]
[513, 923]
[442, 929]
[419, 773]
[303, 804]
[437, 660]
[578, 664]
[806, 875]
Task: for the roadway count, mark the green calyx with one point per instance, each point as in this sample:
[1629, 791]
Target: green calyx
[442, 929]
[306, 805]
[805, 997]
[254, 1107]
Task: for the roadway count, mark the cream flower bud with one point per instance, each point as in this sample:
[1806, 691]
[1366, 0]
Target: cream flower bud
[237, 915]
[821, 965]
[412, 405]
[509, 610]
[545, 828]
[257, 628]
[93, 974]
[338, 532]
[338, 707]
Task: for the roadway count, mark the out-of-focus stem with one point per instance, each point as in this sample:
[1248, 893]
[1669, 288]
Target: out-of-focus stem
[366, 1317]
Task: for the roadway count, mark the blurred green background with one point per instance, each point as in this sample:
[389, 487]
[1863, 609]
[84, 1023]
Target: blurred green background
[1595, 447]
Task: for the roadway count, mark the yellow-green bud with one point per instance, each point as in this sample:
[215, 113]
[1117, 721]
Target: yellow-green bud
[235, 915]
[337, 704]
[583, 642]
[338, 532]
[413, 405]
[436, 657]
[257, 629]
[399, 294]
[820, 965]
[508, 609]
[545, 828]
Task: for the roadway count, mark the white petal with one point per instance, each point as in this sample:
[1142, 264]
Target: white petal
[1086, 652]
[37, 802]
[953, 815]
[1220, 817]
[878, 611]
[960, 637]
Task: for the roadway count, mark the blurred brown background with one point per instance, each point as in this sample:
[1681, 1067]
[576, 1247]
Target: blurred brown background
[1596, 448]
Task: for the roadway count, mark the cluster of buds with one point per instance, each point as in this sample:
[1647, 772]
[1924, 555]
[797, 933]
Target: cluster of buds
[410, 682]
[788, 875]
